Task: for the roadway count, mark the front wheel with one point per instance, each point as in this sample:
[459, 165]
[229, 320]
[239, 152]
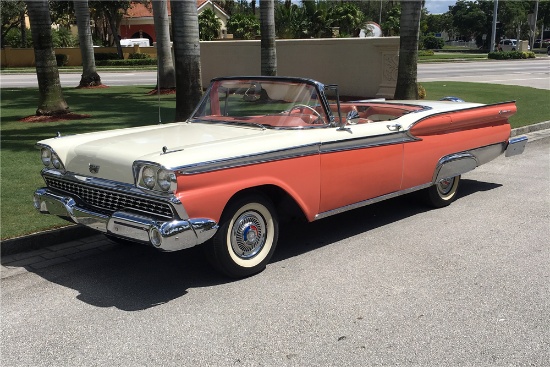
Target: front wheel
[443, 193]
[246, 239]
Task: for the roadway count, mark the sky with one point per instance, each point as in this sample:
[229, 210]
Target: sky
[439, 6]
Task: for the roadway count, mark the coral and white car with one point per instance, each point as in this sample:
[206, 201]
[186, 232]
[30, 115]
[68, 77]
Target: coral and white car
[258, 150]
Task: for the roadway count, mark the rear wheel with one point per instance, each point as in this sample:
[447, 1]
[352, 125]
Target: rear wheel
[246, 239]
[443, 193]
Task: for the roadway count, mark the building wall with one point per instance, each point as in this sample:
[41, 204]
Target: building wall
[362, 67]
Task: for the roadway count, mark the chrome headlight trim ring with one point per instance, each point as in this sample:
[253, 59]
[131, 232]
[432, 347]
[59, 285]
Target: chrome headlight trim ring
[50, 159]
[151, 176]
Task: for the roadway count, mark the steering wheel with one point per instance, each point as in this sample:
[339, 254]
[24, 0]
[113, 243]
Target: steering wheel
[302, 107]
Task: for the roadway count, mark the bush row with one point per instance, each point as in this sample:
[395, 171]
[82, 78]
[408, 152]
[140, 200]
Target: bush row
[129, 62]
[507, 55]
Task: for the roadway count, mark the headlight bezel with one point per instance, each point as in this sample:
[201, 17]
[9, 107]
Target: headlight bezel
[50, 159]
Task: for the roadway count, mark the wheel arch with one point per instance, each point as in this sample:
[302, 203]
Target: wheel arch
[283, 201]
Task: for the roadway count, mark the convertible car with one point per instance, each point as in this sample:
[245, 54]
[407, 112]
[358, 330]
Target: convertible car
[257, 150]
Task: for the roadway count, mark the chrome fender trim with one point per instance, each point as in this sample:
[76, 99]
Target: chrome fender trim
[454, 165]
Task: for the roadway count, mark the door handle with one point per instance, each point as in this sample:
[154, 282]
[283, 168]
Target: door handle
[394, 127]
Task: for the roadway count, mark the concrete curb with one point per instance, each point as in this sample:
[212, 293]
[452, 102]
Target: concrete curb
[76, 232]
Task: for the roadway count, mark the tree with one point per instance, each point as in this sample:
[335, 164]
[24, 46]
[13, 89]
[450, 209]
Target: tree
[290, 21]
[90, 77]
[348, 18]
[51, 101]
[209, 25]
[243, 26]
[13, 15]
[267, 28]
[166, 71]
[406, 87]
[185, 25]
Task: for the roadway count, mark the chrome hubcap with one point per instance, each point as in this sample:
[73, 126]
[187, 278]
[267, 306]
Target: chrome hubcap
[445, 186]
[248, 235]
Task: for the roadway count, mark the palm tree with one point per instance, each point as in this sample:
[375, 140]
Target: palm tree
[166, 71]
[267, 30]
[406, 87]
[51, 100]
[185, 26]
[90, 77]
[209, 25]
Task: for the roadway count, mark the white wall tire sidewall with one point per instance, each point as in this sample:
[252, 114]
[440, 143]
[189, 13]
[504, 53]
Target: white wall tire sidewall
[270, 229]
[452, 192]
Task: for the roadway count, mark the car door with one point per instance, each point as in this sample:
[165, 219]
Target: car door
[359, 162]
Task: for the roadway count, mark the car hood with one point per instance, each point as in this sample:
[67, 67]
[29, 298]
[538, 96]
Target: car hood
[115, 151]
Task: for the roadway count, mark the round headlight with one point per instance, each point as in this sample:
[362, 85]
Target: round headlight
[46, 156]
[165, 179]
[55, 161]
[149, 177]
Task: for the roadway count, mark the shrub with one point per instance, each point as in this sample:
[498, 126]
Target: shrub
[425, 53]
[421, 92]
[61, 59]
[511, 55]
[138, 56]
[63, 38]
[129, 62]
[13, 38]
[432, 43]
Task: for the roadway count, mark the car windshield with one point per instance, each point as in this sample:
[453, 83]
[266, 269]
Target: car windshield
[262, 102]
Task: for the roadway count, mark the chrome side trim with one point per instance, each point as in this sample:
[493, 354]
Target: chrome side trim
[370, 201]
[516, 146]
[171, 235]
[365, 142]
[296, 152]
[301, 151]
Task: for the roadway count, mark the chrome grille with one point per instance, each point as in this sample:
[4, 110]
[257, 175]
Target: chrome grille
[109, 200]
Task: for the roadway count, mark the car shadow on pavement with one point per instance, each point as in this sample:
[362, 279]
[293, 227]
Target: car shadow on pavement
[134, 278]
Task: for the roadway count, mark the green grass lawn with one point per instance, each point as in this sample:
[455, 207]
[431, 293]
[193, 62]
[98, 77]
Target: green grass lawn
[119, 107]
[445, 57]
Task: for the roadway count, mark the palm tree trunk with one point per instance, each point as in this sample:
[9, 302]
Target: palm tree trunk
[267, 29]
[51, 100]
[166, 71]
[90, 77]
[406, 87]
[185, 26]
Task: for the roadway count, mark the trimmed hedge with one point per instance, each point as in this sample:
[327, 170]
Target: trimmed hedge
[129, 62]
[507, 55]
[140, 56]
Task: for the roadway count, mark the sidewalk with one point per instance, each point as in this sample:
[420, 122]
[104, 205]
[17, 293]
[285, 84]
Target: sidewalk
[56, 246]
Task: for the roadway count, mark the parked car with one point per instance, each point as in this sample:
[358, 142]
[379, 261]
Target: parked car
[539, 44]
[509, 45]
[257, 150]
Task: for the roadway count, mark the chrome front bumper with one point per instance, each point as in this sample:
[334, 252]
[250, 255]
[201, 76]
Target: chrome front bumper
[165, 235]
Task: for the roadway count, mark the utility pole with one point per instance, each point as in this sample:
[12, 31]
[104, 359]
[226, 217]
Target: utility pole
[494, 28]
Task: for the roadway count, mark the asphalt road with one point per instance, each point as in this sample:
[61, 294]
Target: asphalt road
[529, 73]
[390, 284]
